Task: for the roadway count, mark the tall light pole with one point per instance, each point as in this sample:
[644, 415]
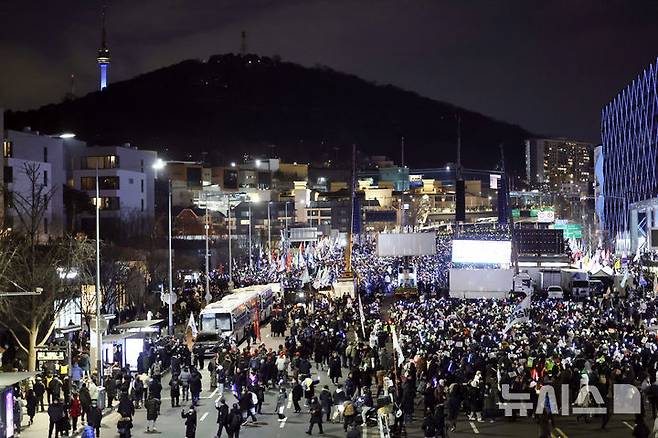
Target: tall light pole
[286, 222]
[230, 256]
[251, 260]
[99, 335]
[269, 231]
[159, 164]
[171, 269]
[207, 261]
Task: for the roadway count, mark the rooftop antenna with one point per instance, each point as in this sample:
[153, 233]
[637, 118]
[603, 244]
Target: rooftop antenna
[460, 189]
[243, 43]
[402, 150]
[70, 95]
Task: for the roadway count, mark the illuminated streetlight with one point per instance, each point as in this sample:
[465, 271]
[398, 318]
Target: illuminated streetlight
[66, 135]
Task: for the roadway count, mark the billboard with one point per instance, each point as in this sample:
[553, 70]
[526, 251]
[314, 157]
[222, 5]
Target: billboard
[480, 283]
[405, 244]
[482, 252]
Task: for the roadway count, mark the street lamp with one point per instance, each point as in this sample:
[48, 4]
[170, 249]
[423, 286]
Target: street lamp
[159, 164]
[269, 231]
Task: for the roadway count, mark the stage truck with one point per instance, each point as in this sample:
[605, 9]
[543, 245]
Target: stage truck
[232, 316]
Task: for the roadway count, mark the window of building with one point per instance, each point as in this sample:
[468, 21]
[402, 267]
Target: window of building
[142, 204]
[7, 149]
[142, 181]
[8, 174]
[141, 165]
[45, 177]
[104, 162]
[104, 183]
[131, 180]
[45, 154]
[107, 202]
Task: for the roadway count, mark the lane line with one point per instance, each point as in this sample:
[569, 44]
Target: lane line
[213, 393]
[203, 417]
[283, 423]
[561, 432]
[290, 400]
[474, 427]
[627, 424]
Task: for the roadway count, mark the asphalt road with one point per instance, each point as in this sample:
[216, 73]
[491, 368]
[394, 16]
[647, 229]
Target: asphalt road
[170, 423]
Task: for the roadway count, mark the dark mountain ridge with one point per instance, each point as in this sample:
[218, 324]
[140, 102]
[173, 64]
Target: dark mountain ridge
[233, 105]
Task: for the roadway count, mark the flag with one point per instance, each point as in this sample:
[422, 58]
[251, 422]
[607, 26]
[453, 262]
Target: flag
[655, 284]
[521, 314]
[396, 345]
[624, 279]
[363, 318]
[192, 325]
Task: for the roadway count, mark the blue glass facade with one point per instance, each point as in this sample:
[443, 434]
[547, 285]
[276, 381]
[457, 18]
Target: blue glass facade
[629, 131]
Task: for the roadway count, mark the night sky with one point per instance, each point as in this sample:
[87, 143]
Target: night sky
[548, 66]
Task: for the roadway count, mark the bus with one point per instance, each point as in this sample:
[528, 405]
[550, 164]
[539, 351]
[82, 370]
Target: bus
[233, 314]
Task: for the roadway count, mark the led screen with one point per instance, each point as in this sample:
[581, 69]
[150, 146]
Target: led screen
[482, 252]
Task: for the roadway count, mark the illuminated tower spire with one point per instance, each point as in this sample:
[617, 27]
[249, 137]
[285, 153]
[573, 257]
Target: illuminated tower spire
[103, 56]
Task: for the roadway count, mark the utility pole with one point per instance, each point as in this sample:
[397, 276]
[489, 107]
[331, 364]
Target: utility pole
[171, 269]
[207, 260]
[99, 335]
[402, 150]
[230, 256]
[269, 231]
[251, 259]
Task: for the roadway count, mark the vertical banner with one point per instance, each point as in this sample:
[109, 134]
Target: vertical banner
[363, 327]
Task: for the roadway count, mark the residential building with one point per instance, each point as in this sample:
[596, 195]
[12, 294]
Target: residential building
[560, 164]
[34, 163]
[630, 158]
[126, 183]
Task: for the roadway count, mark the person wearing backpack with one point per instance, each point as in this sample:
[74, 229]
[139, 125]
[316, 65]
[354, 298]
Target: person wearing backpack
[152, 406]
[234, 422]
[349, 414]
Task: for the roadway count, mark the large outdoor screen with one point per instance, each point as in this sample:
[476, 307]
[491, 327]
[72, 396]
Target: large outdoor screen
[482, 252]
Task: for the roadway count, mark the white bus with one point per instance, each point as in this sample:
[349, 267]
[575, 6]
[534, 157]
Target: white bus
[233, 314]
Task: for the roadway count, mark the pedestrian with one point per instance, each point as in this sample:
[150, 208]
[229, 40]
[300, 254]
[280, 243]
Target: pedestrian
[55, 415]
[349, 414]
[126, 407]
[155, 388]
[31, 404]
[185, 382]
[18, 412]
[85, 400]
[174, 391]
[94, 417]
[316, 416]
[326, 401]
[297, 393]
[354, 432]
[281, 401]
[138, 391]
[123, 427]
[335, 369]
[39, 391]
[152, 406]
[75, 411]
[195, 386]
[234, 422]
[222, 416]
[429, 424]
[190, 422]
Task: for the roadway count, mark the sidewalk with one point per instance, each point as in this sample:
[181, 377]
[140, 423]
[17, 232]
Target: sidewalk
[39, 429]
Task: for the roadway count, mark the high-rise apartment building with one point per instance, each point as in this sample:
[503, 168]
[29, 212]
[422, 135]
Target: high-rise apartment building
[560, 165]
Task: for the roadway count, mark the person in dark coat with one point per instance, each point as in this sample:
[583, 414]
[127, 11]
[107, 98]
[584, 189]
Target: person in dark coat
[55, 415]
[123, 427]
[152, 406]
[190, 422]
[316, 416]
[39, 391]
[195, 387]
[222, 416]
[429, 424]
[155, 388]
[174, 391]
[335, 370]
[326, 401]
[85, 400]
[94, 417]
[234, 422]
[126, 407]
[31, 404]
[111, 390]
[297, 393]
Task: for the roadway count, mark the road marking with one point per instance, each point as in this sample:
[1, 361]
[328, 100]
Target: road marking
[474, 427]
[283, 423]
[203, 417]
[365, 431]
[627, 424]
[562, 434]
[213, 393]
[290, 400]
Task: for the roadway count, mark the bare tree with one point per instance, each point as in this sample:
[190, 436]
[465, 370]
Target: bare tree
[57, 267]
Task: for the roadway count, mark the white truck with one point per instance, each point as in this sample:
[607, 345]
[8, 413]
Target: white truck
[575, 282]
